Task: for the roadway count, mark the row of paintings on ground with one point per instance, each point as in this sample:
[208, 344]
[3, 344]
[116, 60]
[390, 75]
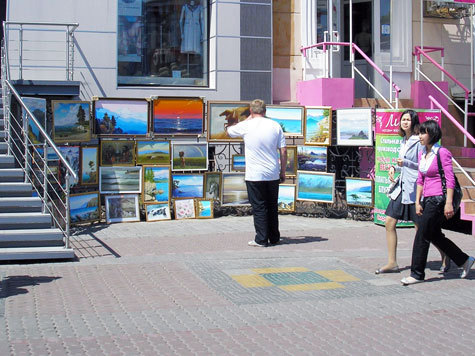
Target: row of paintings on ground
[193, 194]
[114, 117]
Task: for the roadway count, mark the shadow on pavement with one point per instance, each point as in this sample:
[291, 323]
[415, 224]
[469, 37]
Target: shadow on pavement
[301, 240]
[90, 246]
[13, 285]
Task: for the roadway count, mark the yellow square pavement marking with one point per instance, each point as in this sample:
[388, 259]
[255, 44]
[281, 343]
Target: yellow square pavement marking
[337, 276]
[252, 281]
[312, 286]
[280, 270]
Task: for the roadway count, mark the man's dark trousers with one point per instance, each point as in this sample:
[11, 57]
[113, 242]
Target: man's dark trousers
[263, 198]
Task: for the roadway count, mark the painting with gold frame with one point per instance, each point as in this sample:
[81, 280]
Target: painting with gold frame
[223, 113]
[316, 186]
[318, 126]
[157, 212]
[213, 183]
[117, 153]
[359, 192]
[238, 163]
[177, 116]
[89, 166]
[234, 190]
[153, 152]
[122, 208]
[84, 207]
[291, 168]
[204, 208]
[184, 209]
[71, 121]
[156, 184]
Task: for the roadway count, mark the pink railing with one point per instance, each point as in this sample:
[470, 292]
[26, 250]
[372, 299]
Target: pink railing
[354, 47]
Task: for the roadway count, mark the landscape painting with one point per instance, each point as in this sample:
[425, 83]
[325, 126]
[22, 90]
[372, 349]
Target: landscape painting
[37, 106]
[222, 114]
[286, 198]
[359, 192]
[204, 209]
[354, 127]
[313, 186]
[119, 117]
[318, 126]
[153, 152]
[89, 171]
[71, 121]
[157, 212]
[122, 208]
[72, 156]
[213, 183]
[288, 117]
[187, 185]
[117, 153]
[156, 184]
[234, 191]
[178, 116]
[312, 158]
[291, 168]
[84, 207]
[190, 156]
[120, 180]
[184, 209]
[238, 163]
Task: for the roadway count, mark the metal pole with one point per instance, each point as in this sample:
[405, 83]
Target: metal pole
[25, 143]
[67, 53]
[45, 177]
[352, 54]
[422, 26]
[471, 54]
[465, 122]
[330, 32]
[20, 52]
[67, 217]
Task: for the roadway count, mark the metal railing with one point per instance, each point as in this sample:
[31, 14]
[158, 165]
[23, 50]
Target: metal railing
[33, 158]
[423, 52]
[39, 27]
[393, 88]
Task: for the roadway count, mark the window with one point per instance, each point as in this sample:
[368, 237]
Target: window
[385, 21]
[162, 42]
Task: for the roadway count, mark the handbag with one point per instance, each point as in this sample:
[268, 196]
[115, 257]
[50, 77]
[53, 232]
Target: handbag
[394, 187]
[457, 198]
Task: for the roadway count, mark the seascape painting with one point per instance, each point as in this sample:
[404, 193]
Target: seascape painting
[156, 184]
[184, 209]
[291, 168]
[117, 153]
[286, 198]
[120, 180]
[71, 155]
[234, 190]
[288, 117]
[213, 185]
[89, 171]
[354, 127]
[122, 208]
[50, 156]
[71, 121]
[221, 114]
[238, 163]
[317, 126]
[118, 117]
[178, 116]
[359, 192]
[312, 158]
[313, 186]
[204, 209]
[37, 106]
[190, 156]
[84, 207]
[153, 152]
[157, 212]
[187, 185]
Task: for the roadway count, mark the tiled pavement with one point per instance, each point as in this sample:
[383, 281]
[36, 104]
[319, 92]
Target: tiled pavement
[194, 287]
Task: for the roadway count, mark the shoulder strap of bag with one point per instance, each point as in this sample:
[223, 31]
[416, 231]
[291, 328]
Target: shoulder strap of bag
[442, 174]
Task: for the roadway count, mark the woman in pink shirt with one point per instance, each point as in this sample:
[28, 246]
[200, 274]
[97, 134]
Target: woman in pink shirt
[434, 206]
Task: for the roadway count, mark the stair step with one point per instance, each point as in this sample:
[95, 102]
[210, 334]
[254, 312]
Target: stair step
[3, 147]
[463, 180]
[35, 253]
[7, 161]
[20, 204]
[2, 135]
[469, 206]
[34, 220]
[9, 189]
[468, 192]
[11, 175]
[31, 238]
[466, 162]
[458, 151]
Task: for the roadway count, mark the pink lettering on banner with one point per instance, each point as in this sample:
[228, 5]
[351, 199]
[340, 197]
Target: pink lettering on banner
[387, 121]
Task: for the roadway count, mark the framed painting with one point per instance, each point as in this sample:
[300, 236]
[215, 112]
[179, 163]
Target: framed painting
[187, 185]
[153, 152]
[117, 153]
[184, 209]
[316, 186]
[204, 209]
[122, 208]
[84, 207]
[50, 153]
[121, 117]
[72, 156]
[312, 158]
[318, 126]
[156, 184]
[359, 192]
[190, 156]
[291, 168]
[114, 180]
[89, 166]
[37, 106]
[157, 212]
[213, 184]
[290, 118]
[286, 198]
[354, 127]
[71, 121]
[178, 116]
[234, 190]
[223, 113]
[238, 163]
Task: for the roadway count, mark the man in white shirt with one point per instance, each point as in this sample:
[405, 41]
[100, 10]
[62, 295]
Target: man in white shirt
[263, 140]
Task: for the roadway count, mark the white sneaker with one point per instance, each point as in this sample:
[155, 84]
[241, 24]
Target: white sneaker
[255, 244]
[410, 280]
[466, 267]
